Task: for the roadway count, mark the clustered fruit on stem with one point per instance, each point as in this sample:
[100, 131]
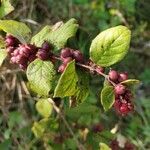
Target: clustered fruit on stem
[123, 104]
[24, 54]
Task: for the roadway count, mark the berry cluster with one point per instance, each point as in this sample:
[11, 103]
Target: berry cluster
[67, 55]
[23, 54]
[123, 95]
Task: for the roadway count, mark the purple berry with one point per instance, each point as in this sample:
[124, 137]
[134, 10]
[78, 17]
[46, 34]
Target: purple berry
[123, 77]
[62, 68]
[16, 52]
[46, 46]
[32, 58]
[13, 60]
[67, 60]
[21, 59]
[66, 52]
[42, 54]
[10, 42]
[78, 56]
[120, 89]
[113, 75]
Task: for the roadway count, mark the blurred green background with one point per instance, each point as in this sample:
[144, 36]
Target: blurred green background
[17, 112]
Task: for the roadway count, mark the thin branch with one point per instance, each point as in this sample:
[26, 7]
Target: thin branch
[80, 146]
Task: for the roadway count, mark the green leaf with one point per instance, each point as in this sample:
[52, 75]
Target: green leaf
[130, 82]
[40, 37]
[41, 75]
[107, 97]
[58, 37]
[3, 55]
[82, 86]
[44, 107]
[103, 146]
[15, 28]
[84, 108]
[5, 8]
[110, 46]
[39, 128]
[68, 81]
[6, 144]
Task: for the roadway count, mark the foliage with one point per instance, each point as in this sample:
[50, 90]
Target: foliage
[72, 99]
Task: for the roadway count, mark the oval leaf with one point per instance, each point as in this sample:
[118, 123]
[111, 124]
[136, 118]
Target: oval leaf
[110, 46]
[5, 8]
[67, 83]
[15, 28]
[44, 107]
[107, 97]
[130, 82]
[57, 37]
[41, 75]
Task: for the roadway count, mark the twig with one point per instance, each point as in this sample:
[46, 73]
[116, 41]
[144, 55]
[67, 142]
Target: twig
[80, 146]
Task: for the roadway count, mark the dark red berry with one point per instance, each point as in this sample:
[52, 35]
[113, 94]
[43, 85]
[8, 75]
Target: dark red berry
[114, 145]
[13, 60]
[122, 77]
[113, 75]
[78, 56]
[46, 46]
[15, 53]
[42, 54]
[67, 60]
[97, 128]
[66, 52]
[10, 42]
[129, 146]
[20, 59]
[124, 108]
[61, 68]
[32, 57]
[120, 89]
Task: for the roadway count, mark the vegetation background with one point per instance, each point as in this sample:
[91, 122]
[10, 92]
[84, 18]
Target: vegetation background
[17, 111]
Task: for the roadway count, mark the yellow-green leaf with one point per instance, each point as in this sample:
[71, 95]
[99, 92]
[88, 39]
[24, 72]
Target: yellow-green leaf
[107, 97]
[110, 46]
[18, 29]
[67, 83]
[41, 75]
[44, 107]
[5, 8]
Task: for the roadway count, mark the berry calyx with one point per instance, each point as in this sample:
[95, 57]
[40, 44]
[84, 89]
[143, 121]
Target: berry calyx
[113, 75]
[120, 89]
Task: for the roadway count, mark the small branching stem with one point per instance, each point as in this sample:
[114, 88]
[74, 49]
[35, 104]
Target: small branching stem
[58, 111]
